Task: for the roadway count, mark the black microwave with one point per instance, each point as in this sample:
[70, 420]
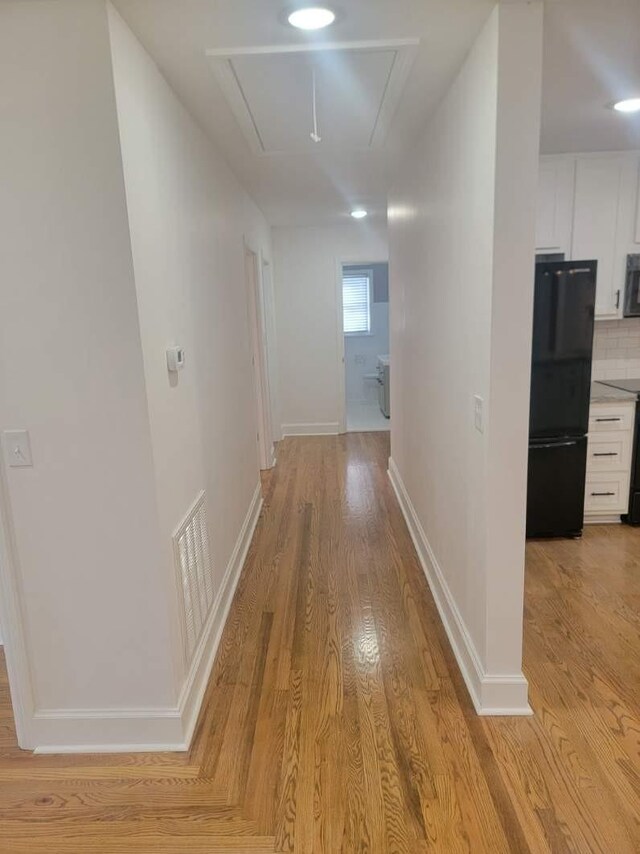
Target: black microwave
[632, 287]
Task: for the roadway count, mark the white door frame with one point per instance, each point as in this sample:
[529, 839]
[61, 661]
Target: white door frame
[13, 626]
[363, 261]
[267, 303]
[257, 335]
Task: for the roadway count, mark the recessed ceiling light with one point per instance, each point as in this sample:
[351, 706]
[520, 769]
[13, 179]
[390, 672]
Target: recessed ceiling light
[629, 105]
[312, 18]
[359, 213]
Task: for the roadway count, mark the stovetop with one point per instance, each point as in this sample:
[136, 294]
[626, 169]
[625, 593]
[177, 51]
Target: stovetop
[625, 385]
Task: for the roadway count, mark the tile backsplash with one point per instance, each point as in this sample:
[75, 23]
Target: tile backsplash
[616, 349]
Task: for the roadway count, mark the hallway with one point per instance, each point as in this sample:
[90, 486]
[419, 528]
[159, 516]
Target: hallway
[336, 718]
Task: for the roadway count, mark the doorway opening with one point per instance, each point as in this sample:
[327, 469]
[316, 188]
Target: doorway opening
[365, 326]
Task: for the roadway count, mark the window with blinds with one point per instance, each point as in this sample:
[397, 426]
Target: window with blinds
[356, 302]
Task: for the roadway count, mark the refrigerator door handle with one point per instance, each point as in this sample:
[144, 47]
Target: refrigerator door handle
[553, 311]
[555, 445]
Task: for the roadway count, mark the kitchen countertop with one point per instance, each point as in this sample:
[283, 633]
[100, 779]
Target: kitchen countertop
[601, 393]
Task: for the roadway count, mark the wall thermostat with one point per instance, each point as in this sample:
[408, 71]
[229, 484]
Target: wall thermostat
[175, 358]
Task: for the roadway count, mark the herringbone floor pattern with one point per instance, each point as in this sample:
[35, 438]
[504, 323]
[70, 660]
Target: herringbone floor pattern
[336, 719]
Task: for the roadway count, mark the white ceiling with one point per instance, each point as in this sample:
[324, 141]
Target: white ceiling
[591, 57]
[318, 183]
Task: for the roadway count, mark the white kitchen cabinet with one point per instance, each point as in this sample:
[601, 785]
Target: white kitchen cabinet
[606, 495]
[626, 238]
[611, 418]
[555, 204]
[595, 223]
[609, 452]
[603, 218]
[589, 207]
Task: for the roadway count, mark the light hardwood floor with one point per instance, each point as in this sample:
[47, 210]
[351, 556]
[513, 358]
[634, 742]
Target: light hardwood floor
[336, 719]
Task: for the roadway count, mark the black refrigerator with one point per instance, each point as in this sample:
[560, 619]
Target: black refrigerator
[563, 317]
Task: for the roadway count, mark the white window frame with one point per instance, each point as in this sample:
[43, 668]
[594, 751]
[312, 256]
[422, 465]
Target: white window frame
[368, 271]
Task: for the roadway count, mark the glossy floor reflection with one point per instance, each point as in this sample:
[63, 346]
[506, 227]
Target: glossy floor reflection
[336, 718]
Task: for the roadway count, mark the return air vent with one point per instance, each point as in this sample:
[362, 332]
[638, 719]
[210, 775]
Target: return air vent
[193, 566]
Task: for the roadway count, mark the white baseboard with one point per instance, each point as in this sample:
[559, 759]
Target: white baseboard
[604, 519]
[491, 694]
[107, 730]
[145, 730]
[330, 428]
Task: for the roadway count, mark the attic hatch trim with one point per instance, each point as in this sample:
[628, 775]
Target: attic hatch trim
[221, 60]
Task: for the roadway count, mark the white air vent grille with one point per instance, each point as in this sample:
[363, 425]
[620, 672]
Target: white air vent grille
[193, 565]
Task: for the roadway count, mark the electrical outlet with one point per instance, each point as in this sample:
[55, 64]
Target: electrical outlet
[360, 359]
[478, 413]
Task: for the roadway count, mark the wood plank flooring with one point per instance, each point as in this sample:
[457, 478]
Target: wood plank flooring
[336, 719]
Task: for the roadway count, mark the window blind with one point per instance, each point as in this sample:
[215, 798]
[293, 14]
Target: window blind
[356, 302]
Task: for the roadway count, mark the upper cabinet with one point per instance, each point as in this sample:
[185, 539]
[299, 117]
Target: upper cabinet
[555, 204]
[588, 208]
[595, 224]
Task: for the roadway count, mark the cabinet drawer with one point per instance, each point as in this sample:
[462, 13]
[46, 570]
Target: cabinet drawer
[607, 493]
[609, 452]
[609, 417]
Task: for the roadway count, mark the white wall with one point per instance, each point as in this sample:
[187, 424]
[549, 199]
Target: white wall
[83, 518]
[361, 351]
[306, 278]
[122, 233]
[188, 217]
[462, 221]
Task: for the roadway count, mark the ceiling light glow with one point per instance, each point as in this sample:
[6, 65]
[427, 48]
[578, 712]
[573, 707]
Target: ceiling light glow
[312, 18]
[359, 213]
[629, 105]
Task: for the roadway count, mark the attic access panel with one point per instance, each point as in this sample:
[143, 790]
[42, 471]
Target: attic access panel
[358, 88]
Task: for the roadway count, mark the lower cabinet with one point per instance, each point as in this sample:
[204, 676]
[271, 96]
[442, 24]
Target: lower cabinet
[609, 450]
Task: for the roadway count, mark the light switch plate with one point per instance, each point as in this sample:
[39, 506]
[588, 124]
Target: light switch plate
[17, 448]
[478, 413]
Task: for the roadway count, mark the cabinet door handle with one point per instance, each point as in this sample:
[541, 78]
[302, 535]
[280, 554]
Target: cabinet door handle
[603, 493]
[608, 419]
[617, 299]
[607, 454]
